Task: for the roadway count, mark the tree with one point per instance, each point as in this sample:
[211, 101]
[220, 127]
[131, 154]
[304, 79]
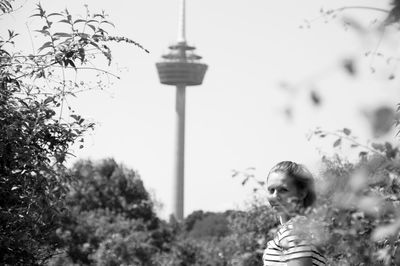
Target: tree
[109, 186]
[212, 225]
[38, 128]
[110, 218]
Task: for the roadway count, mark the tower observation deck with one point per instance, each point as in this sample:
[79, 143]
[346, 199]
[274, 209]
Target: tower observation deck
[180, 67]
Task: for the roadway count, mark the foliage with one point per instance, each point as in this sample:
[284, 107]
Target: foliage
[107, 185]
[360, 203]
[110, 219]
[219, 239]
[201, 224]
[38, 128]
[6, 6]
[356, 220]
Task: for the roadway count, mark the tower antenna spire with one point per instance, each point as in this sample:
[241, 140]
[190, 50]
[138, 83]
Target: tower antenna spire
[182, 22]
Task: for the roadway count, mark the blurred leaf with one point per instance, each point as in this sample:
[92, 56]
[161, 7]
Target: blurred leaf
[348, 65]
[370, 205]
[346, 131]
[337, 142]
[378, 146]
[384, 231]
[315, 98]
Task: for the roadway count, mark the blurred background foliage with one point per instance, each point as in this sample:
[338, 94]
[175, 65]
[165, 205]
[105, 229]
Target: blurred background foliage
[99, 213]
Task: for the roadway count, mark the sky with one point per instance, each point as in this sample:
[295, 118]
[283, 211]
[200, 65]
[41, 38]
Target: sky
[262, 58]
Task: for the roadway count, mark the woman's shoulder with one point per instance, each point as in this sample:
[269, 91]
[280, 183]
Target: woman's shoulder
[296, 243]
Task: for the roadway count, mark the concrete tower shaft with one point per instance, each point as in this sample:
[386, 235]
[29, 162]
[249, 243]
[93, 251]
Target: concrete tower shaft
[180, 67]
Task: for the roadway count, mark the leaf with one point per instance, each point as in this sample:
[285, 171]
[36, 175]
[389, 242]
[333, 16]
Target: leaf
[49, 99]
[69, 61]
[95, 45]
[92, 27]
[346, 131]
[76, 117]
[62, 34]
[79, 20]
[35, 15]
[54, 14]
[65, 21]
[337, 142]
[234, 173]
[44, 32]
[14, 188]
[83, 35]
[10, 33]
[98, 15]
[45, 45]
[107, 22]
[97, 36]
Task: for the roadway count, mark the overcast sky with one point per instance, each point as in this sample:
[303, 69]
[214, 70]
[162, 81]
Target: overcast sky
[236, 119]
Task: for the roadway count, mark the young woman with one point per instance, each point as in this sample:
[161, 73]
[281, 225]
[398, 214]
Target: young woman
[290, 191]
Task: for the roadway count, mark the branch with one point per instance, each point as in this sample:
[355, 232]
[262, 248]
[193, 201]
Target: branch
[361, 7]
[343, 136]
[14, 9]
[40, 69]
[93, 68]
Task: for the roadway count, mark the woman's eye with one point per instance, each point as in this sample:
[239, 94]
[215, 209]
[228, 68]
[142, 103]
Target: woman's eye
[283, 190]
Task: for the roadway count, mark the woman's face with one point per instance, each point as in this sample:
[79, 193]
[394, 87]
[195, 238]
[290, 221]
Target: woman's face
[282, 194]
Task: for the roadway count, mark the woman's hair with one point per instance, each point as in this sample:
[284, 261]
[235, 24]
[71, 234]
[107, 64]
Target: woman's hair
[301, 177]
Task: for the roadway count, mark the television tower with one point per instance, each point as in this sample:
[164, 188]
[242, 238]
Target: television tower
[180, 68]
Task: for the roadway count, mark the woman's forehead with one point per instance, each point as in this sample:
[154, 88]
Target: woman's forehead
[278, 178]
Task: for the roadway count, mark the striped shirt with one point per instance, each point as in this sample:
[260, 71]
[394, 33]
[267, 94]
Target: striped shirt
[287, 246]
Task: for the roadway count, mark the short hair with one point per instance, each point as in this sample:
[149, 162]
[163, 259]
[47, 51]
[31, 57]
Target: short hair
[301, 177]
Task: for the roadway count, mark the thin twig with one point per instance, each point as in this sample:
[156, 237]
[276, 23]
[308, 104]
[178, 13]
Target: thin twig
[362, 7]
[92, 68]
[40, 69]
[353, 141]
[30, 36]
